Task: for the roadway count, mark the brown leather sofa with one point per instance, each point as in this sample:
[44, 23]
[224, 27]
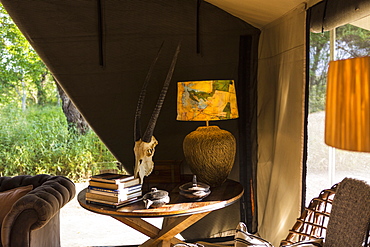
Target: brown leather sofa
[33, 219]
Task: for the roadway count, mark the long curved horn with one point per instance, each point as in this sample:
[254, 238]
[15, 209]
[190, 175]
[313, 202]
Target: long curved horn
[140, 103]
[153, 119]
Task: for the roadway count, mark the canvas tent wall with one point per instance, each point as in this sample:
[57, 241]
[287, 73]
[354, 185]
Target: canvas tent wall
[282, 111]
[104, 83]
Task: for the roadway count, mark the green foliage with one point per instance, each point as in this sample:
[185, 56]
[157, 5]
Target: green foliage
[24, 78]
[38, 141]
[319, 59]
[317, 98]
[34, 134]
[350, 42]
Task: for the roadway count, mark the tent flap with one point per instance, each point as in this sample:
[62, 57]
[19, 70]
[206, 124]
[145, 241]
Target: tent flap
[281, 98]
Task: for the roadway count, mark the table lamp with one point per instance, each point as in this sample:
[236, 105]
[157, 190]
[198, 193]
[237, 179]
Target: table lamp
[347, 123]
[209, 151]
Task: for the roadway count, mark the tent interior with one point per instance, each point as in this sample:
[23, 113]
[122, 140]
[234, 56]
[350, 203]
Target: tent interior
[99, 52]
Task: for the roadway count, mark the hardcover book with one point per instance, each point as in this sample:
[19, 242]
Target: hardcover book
[113, 204]
[110, 192]
[115, 186]
[113, 178]
[113, 199]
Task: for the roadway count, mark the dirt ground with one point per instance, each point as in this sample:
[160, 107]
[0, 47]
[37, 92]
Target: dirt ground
[82, 228]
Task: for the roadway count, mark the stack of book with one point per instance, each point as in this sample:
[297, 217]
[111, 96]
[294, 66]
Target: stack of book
[113, 190]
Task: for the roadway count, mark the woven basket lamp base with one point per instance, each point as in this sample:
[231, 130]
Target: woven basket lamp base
[210, 154]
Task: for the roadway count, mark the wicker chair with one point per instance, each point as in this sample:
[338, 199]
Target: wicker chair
[342, 222]
[313, 222]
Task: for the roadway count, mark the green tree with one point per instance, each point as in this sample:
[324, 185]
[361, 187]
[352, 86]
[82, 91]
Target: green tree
[319, 58]
[24, 79]
[37, 134]
[351, 41]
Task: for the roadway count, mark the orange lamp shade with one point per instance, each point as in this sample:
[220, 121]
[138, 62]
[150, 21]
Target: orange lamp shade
[347, 123]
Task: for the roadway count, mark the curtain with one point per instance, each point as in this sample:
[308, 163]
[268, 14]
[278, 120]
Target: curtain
[247, 126]
[281, 100]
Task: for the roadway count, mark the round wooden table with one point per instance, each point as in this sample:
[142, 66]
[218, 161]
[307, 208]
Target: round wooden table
[179, 213]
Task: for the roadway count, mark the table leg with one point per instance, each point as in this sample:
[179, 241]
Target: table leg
[145, 228]
[169, 220]
[174, 227]
[140, 225]
[163, 244]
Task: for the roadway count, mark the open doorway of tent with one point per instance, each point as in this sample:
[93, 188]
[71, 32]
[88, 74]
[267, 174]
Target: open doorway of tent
[326, 165]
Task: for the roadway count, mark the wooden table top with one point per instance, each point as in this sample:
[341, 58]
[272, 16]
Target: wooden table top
[226, 194]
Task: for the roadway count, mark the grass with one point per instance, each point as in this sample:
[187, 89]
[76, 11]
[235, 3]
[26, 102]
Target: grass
[38, 141]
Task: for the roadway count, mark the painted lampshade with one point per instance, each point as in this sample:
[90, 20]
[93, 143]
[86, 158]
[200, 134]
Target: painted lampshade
[209, 151]
[206, 100]
[347, 123]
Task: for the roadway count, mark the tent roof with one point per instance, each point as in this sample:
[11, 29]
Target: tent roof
[259, 13]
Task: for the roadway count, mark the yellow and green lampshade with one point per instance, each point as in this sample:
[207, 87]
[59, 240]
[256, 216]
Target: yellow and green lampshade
[206, 100]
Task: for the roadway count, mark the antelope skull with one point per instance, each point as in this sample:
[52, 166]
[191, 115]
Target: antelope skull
[144, 153]
[145, 145]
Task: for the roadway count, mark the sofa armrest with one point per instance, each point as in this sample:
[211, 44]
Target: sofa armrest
[35, 209]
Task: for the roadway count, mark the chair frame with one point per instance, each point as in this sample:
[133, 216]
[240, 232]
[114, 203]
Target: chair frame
[313, 222]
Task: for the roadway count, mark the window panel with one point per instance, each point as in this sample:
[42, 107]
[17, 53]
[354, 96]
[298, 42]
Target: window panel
[350, 41]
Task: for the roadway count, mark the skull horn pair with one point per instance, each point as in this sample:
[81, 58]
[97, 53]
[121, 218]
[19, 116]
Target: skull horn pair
[145, 144]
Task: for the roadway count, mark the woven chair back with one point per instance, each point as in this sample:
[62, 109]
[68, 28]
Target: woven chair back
[313, 222]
